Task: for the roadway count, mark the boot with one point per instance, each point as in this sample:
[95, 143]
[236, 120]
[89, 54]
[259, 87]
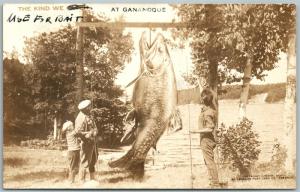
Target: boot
[92, 175]
[138, 171]
[215, 184]
[82, 175]
[72, 177]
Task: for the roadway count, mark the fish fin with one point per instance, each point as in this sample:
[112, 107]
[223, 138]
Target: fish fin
[123, 161]
[130, 115]
[154, 147]
[134, 80]
[175, 122]
[129, 134]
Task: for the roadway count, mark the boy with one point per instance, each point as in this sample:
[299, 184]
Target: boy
[207, 125]
[73, 150]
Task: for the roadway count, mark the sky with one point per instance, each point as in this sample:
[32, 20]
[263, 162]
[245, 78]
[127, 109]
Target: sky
[14, 34]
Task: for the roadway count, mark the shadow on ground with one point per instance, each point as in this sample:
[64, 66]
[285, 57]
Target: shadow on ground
[40, 175]
[14, 161]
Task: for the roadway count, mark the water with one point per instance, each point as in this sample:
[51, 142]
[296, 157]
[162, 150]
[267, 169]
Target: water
[179, 148]
[175, 148]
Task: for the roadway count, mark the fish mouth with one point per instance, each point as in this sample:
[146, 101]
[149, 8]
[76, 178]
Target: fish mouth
[153, 54]
[145, 46]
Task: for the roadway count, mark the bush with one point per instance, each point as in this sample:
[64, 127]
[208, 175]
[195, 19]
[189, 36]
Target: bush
[279, 156]
[109, 115]
[276, 163]
[49, 144]
[239, 145]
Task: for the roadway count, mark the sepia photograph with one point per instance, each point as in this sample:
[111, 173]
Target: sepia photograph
[149, 96]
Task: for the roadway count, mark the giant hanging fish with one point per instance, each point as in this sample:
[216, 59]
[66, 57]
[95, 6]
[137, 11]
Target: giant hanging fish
[154, 101]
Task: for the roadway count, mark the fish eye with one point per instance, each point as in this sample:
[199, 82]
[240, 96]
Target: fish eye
[160, 49]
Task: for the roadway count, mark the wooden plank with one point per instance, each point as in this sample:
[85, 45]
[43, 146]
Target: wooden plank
[131, 24]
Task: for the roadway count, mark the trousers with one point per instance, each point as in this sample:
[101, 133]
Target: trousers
[74, 159]
[208, 145]
[88, 156]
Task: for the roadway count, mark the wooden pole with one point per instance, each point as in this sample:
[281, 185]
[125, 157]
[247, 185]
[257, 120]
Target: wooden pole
[132, 24]
[289, 107]
[79, 62]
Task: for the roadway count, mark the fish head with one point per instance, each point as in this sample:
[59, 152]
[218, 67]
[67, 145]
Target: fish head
[155, 56]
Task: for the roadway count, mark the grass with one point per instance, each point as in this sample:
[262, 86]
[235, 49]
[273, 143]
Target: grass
[27, 168]
[15, 162]
[48, 169]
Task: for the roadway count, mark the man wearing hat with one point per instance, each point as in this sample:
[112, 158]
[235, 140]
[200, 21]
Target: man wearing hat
[88, 150]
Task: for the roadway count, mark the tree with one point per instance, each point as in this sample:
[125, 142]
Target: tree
[52, 72]
[238, 41]
[53, 75]
[272, 28]
[16, 96]
[204, 23]
[254, 34]
[247, 44]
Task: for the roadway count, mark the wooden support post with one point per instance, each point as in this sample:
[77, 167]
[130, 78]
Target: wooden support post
[79, 62]
[289, 108]
[152, 25]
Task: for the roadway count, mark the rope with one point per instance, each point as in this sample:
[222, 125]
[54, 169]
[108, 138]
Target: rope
[190, 138]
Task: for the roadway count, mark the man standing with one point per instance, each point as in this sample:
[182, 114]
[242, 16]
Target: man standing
[88, 148]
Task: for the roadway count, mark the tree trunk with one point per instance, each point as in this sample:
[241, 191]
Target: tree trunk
[245, 88]
[289, 108]
[244, 172]
[79, 63]
[59, 126]
[213, 84]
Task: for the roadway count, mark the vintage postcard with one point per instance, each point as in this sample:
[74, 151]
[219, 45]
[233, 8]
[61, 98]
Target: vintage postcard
[149, 96]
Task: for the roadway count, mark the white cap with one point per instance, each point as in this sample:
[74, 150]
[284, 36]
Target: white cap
[66, 125]
[83, 104]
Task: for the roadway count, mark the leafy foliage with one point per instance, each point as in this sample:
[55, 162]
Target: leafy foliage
[276, 164]
[224, 36]
[279, 156]
[51, 59]
[49, 144]
[239, 145]
[16, 96]
[204, 24]
[50, 74]
[109, 116]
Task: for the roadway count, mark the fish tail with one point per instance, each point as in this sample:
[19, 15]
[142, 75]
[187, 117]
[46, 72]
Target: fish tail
[136, 167]
[134, 159]
[123, 161]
